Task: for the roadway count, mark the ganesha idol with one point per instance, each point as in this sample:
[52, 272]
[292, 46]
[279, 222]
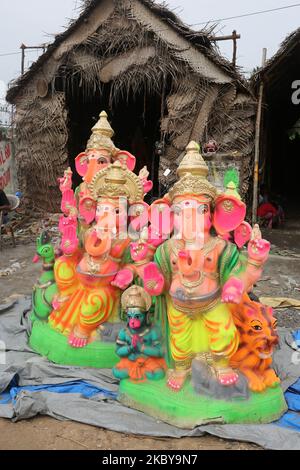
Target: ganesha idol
[99, 154]
[85, 318]
[218, 343]
[160, 293]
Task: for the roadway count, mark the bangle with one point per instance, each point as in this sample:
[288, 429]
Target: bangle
[257, 264]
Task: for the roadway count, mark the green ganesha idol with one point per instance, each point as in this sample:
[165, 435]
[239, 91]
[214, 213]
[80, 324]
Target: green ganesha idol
[218, 343]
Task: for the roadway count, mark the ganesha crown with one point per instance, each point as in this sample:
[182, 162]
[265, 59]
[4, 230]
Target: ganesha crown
[116, 181]
[193, 185]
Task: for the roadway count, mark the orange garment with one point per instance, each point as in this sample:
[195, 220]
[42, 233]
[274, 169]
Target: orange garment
[137, 369]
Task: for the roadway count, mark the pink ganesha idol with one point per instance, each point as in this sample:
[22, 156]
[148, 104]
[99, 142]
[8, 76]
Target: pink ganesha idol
[146, 238]
[99, 154]
[88, 296]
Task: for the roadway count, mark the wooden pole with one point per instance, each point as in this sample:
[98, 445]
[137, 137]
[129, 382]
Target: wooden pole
[23, 47]
[257, 143]
[233, 37]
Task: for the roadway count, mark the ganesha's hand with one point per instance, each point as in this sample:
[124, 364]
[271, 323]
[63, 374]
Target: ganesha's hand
[233, 291]
[69, 243]
[123, 279]
[153, 280]
[258, 248]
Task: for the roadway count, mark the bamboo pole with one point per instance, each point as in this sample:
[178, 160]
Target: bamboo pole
[235, 37]
[257, 143]
[23, 47]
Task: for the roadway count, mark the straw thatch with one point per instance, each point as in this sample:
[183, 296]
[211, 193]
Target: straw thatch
[133, 45]
[287, 52]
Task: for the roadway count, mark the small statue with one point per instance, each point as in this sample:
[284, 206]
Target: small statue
[65, 183]
[258, 337]
[45, 289]
[139, 344]
[68, 202]
[147, 184]
[210, 147]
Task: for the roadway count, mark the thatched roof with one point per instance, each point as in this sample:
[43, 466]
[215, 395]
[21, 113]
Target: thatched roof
[201, 40]
[288, 51]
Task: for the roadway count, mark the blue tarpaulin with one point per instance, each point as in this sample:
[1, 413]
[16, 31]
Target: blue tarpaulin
[291, 419]
[30, 385]
[80, 387]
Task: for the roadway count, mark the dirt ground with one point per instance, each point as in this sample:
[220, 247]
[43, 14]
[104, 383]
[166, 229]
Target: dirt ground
[43, 433]
[281, 278]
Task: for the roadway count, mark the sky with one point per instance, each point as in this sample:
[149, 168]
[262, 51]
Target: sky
[34, 22]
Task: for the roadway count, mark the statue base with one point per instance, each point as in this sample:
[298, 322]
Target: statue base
[54, 345]
[187, 410]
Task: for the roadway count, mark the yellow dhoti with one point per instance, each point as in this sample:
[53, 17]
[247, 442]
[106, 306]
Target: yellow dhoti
[210, 331]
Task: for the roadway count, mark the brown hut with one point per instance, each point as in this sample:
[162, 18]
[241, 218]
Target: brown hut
[279, 163]
[161, 83]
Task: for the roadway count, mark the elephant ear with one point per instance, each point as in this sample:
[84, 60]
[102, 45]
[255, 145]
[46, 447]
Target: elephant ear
[242, 234]
[229, 213]
[87, 209]
[81, 164]
[127, 158]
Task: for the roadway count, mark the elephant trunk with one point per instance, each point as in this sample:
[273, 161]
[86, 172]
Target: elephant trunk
[190, 261]
[96, 246]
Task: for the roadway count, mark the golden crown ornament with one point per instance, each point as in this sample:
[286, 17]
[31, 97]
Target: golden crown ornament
[193, 172]
[116, 181]
[102, 134]
[136, 297]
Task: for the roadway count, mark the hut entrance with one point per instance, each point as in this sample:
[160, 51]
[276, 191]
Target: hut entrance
[136, 122]
[281, 149]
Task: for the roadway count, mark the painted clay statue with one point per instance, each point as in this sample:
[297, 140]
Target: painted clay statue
[100, 153]
[94, 246]
[258, 338]
[45, 289]
[139, 345]
[201, 274]
[180, 270]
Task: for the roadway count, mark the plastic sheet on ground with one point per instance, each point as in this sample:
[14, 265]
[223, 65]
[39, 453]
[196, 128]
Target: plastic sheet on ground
[31, 385]
[280, 302]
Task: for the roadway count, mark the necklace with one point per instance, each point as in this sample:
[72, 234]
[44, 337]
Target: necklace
[93, 267]
[190, 285]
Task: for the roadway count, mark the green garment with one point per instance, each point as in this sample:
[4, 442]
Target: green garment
[231, 262]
